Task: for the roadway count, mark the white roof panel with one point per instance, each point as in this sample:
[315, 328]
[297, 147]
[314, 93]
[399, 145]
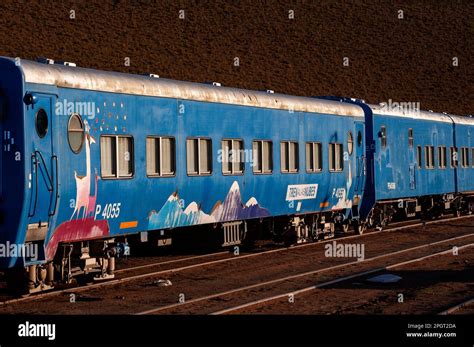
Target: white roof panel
[114, 82]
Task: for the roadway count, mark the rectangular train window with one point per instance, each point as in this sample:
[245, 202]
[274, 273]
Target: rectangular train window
[160, 156]
[314, 160]
[465, 157]
[410, 138]
[199, 156]
[454, 157]
[429, 157]
[262, 156]
[442, 157]
[289, 157]
[336, 157]
[116, 156]
[472, 157]
[383, 136]
[232, 157]
[419, 156]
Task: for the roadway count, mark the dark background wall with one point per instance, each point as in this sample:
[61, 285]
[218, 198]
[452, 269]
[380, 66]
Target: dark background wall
[408, 59]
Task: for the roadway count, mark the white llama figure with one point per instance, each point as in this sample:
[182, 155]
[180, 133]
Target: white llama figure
[83, 183]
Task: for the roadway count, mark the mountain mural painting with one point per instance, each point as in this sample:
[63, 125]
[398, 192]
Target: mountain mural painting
[173, 215]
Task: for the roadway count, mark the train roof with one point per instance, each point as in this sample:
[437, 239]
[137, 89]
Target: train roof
[114, 82]
[382, 109]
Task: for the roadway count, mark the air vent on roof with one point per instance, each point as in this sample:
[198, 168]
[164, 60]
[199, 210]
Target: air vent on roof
[153, 75]
[430, 111]
[44, 60]
[66, 63]
[270, 91]
[215, 84]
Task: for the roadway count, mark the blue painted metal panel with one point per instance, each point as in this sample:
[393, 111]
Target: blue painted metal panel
[465, 173]
[13, 159]
[396, 165]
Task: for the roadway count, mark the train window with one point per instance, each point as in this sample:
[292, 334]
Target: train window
[262, 156]
[410, 138]
[289, 157]
[383, 136]
[199, 156]
[359, 138]
[125, 156]
[465, 157]
[442, 157]
[232, 157]
[419, 156]
[160, 156]
[350, 143]
[336, 158]
[429, 157]
[314, 162]
[41, 123]
[454, 157]
[75, 133]
[116, 156]
[472, 157]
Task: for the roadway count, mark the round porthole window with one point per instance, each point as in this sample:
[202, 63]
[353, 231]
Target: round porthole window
[41, 123]
[75, 133]
[350, 143]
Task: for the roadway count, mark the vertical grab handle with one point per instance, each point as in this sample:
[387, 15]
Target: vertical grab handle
[34, 172]
[55, 192]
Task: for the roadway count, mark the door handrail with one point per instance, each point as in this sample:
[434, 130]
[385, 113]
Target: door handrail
[56, 195]
[50, 181]
[38, 162]
[34, 171]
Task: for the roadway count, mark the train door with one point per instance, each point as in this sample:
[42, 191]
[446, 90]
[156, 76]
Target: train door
[43, 180]
[360, 167]
[412, 159]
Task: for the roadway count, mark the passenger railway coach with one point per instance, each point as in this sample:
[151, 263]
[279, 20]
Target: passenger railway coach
[93, 161]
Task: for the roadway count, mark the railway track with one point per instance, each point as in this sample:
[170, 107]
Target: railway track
[299, 291]
[194, 262]
[336, 281]
[457, 307]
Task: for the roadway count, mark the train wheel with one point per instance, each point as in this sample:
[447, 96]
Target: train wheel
[359, 227]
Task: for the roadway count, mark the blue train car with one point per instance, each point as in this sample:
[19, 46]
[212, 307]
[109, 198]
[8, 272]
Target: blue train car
[463, 162]
[91, 159]
[417, 165]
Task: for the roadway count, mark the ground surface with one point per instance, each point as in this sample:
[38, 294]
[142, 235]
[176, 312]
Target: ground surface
[403, 60]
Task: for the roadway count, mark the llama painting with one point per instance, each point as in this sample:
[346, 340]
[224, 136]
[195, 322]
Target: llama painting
[83, 183]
